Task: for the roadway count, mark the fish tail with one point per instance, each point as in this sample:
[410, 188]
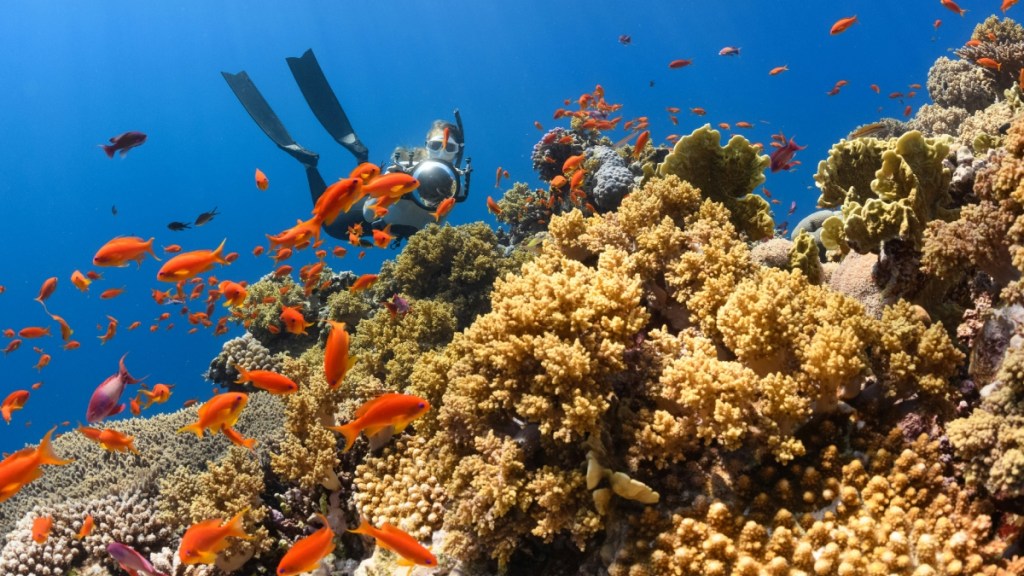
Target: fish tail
[350, 431]
[243, 374]
[46, 453]
[149, 248]
[218, 254]
[194, 427]
[364, 527]
[236, 527]
[109, 150]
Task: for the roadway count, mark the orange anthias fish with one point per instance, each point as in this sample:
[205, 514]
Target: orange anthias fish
[158, 395]
[261, 180]
[1007, 4]
[336, 359]
[393, 185]
[190, 264]
[443, 209]
[14, 401]
[22, 467]
[203, 541]
[47, 289]
[221, 411]
[80, 281]
[41, 529]
[366, 171]
[266, 380]
[297, 235]
[306, 554]
[953, 6]
[394, 410]
[87, 526]
[234, 293]
[339, 197]
[294, 321]
[638, 148]
[363, 282]
[391, 538]
[381, 238]
[34, 332]
[121, 250]
[493, 207]
[778, 70]
[110, 439]
[842, 24]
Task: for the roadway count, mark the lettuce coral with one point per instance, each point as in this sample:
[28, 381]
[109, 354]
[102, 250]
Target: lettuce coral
[727, 174]
[887, 190]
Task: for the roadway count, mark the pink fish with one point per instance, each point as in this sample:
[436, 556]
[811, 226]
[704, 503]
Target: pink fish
[124, 143]
[792, 208]
[729, 51]
[131, 561]
[105, 399]
[782, 159]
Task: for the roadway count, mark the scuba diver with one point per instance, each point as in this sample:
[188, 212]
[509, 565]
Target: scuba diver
[436, 166]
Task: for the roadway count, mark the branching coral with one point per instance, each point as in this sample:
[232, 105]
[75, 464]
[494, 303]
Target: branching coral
[727, 174]
[959, 84]
[308, 452]
[454, 264]
[230, 485]
[990, 442]
[1001, 41]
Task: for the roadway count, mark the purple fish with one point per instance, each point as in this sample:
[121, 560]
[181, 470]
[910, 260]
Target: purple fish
[625, 39]
[729, 51]
[782, 159]
[105, 399]
[131, 561]
[124, 143]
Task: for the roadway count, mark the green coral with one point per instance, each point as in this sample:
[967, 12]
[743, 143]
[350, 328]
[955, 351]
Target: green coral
[910, 188]
[726, 174]
[803, 256]
[455, 264]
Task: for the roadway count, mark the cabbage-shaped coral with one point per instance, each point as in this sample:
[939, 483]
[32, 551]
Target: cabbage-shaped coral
[887, 190]
[613, 178]
[726, 174]
[958, 84]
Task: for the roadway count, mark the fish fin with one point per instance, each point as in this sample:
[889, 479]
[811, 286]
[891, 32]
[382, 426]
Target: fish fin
[124, 152]
[362, 410]
[46, 454]
[108, 150]
[194, 427]
[236, 527]
[350, 431]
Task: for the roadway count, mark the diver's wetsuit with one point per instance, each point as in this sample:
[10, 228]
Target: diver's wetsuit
[321, 99]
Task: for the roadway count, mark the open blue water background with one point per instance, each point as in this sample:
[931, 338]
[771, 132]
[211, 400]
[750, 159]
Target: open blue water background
[77, 73]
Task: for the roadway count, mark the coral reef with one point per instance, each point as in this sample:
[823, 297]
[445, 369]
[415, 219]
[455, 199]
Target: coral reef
[727, 174]
[613, 178]
[125, 517]
[958, 84]
[230, 485]
[246, 351]
[453, 264]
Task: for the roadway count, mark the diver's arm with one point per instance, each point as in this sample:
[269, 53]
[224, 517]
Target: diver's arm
[339, 228]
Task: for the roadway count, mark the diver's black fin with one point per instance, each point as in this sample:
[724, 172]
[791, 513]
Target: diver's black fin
[324, 104]
[260, 110]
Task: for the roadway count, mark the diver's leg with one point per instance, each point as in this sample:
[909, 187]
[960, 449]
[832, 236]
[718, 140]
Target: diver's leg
[324, 104]
[260, 110]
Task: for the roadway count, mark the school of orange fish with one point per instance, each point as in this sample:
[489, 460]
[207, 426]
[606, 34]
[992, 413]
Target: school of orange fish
[203, 541]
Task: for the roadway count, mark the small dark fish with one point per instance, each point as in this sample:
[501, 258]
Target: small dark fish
[124, 143]
[625, 39]
[113, 210]
[179, 226]
[206, 217]
[650, 84]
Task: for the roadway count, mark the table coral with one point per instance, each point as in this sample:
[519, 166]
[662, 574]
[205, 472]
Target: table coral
[727, 174]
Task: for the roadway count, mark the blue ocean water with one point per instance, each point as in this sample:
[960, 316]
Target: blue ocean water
[76, 74]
